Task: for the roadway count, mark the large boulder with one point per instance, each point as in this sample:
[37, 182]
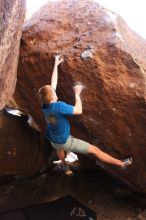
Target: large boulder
[103, 53]
[12, 14]
[22, 150]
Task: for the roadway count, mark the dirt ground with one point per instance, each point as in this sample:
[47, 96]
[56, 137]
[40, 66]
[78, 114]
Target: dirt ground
[95, 189]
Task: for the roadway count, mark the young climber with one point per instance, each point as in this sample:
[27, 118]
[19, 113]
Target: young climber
[58, 127]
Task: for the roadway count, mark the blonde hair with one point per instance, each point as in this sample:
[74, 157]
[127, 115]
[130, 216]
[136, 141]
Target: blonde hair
[45, 93]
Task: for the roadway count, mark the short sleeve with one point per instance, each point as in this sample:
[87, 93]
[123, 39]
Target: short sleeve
[44, 106]
[65, 108]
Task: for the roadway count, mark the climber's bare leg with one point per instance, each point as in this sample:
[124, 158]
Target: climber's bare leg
[99, 154]
[61, 155]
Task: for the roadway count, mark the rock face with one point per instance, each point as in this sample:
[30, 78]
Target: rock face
[22, 150]
[103, 53]
[11, 20]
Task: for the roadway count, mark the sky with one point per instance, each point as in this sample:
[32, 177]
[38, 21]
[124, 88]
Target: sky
[133, 11]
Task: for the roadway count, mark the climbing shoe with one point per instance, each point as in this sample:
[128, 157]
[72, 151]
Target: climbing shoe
[67, 171]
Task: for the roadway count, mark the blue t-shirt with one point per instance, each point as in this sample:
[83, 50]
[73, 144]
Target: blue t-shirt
[58, 127]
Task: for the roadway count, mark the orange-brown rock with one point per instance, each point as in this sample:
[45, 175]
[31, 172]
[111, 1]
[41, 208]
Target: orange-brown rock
[22, 150]
[11, 20]
[103, 53]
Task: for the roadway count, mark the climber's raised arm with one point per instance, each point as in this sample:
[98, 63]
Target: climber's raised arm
[78, 102]
[54, 78]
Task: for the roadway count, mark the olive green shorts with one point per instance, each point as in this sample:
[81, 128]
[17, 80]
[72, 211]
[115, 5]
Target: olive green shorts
[73, 145]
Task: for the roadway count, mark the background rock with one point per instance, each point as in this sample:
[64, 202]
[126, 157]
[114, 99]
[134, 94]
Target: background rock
[22, 150]
[103, 53]
[11, 17]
